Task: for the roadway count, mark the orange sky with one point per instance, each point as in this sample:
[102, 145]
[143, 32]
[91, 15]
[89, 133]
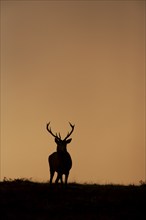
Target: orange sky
[78, 61]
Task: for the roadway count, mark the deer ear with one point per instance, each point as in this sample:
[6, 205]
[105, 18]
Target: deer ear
[69, 140]
[56, 140]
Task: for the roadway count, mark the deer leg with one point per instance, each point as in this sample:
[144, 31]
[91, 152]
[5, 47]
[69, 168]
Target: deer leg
[66, 178]
[61, 179]
[58, 177]
[51, 176]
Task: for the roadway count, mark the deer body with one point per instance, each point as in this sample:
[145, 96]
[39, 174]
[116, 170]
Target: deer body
[60, 161]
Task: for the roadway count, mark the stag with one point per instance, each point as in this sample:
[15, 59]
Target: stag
[60, 161]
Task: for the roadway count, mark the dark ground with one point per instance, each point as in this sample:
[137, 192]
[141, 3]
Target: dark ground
[23, 199]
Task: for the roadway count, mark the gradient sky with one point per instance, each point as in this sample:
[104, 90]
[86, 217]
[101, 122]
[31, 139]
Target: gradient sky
[78, 61]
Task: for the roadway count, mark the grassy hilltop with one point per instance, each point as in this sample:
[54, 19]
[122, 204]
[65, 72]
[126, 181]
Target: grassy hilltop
[23, 199]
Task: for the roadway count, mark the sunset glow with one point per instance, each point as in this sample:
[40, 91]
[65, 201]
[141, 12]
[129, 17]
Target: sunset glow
[77, 61]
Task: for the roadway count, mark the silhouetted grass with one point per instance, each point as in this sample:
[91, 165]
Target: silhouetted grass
[24, 199]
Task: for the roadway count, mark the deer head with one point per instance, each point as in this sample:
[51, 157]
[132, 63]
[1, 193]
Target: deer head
[61, 143]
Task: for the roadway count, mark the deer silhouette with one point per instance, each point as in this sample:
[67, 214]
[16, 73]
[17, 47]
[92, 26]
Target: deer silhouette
[60, 161]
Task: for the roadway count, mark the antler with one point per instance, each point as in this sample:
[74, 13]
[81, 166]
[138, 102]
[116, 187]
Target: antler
[50, 131]
[69, 133]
